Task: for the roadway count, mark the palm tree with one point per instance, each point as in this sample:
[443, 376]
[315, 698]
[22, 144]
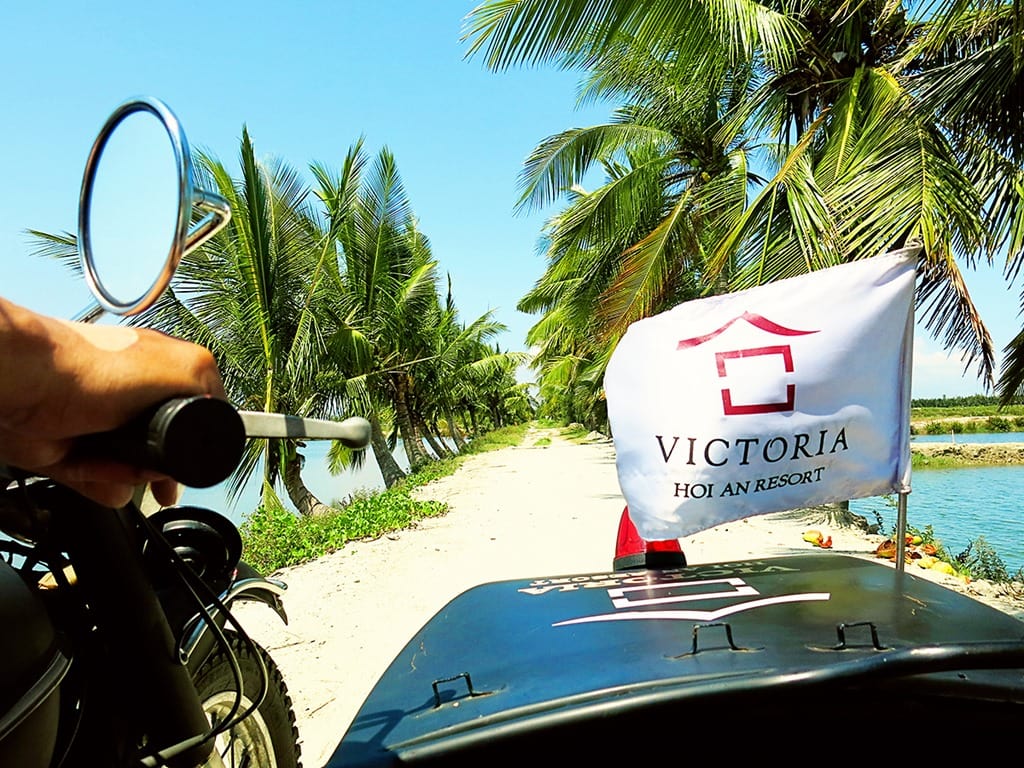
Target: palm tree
[675, 182]
[405, 352]
[253, 296]
[891, 126]
[443, 377]
[639, 243]
[381, 286]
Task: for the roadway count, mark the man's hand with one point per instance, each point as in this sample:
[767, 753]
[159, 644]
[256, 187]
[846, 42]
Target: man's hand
[60, 380]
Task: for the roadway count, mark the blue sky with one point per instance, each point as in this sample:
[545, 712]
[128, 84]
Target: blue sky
[308, 79]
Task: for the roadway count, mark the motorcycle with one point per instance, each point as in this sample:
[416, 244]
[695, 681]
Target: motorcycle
[119, 644]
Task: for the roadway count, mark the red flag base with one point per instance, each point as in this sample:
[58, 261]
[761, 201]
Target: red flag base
[633, 551]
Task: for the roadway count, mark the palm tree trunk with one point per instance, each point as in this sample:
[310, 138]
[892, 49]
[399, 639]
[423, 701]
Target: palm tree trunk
[437, 432]
[413, 446]
[460, 444]
[389, 468]
[430, 435]
[305, 502]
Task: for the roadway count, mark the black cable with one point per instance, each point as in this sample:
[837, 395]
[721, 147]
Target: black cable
[193, 584]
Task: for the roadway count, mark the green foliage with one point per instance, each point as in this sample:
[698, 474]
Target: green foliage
[997, 424]
[978, 561]
[504, 437]
[980, 410]
[275, 537]
[967, 420]
[927, 534]
[432, 471]
[921, 461]
[974, 404]
[981, 561]
[758, 141]
[574, 432]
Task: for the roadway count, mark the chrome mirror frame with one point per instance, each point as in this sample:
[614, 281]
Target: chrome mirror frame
[187, 236]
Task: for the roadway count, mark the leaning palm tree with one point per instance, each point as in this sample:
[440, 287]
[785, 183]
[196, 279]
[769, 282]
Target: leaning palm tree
[381, 285]
[458, 356]
[674, 184]
[640, 242]
[253, 295]
[890, 120]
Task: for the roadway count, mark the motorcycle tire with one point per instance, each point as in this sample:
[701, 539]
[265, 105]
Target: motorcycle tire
[268, 738]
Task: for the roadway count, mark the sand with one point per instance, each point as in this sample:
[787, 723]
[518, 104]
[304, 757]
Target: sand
[541, 509]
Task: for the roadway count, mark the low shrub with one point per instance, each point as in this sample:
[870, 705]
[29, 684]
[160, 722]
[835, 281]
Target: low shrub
[574, 432]
[981, 561]
[978, 561]
[275, 537]
[997, 424]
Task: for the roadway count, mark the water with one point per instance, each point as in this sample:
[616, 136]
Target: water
[965, 503]
[960, 504]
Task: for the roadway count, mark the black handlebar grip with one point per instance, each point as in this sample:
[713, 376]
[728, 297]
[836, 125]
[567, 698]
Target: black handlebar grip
[196, 440]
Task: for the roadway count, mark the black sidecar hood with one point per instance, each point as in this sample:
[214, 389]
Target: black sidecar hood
[520, 668]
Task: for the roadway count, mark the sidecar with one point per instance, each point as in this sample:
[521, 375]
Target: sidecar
[777, 655]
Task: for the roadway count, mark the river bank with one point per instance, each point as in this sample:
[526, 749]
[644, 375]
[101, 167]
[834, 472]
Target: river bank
[548, 507]
[972, 454]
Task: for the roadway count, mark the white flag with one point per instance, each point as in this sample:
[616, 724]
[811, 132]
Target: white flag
[782, 396]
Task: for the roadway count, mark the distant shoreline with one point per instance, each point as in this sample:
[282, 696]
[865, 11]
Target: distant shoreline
[972, 454]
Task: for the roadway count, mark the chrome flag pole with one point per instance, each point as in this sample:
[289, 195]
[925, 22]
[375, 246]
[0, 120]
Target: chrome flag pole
[901, 531]
[901, 504]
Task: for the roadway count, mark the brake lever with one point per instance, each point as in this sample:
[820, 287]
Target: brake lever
[353, 432]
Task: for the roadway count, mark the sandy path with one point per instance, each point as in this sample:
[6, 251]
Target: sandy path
[527, 511]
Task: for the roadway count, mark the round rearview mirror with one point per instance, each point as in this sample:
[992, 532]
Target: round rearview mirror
[136, 208]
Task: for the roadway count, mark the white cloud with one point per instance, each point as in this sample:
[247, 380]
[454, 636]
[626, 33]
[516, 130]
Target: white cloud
[938, 373]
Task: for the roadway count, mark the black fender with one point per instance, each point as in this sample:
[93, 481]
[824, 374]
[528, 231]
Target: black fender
[198, 641]
[250, 585]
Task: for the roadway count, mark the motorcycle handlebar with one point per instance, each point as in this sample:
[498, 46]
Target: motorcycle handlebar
[196, 440]
[199, 440]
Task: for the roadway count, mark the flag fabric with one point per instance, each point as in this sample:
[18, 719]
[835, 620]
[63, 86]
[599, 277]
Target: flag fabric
[786, 395]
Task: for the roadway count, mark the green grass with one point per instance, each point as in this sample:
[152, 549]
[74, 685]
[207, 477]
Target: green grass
[274, 537]
[980, 424]
[576, 432]
[966, 419]
[920, 461]
[966, 411]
